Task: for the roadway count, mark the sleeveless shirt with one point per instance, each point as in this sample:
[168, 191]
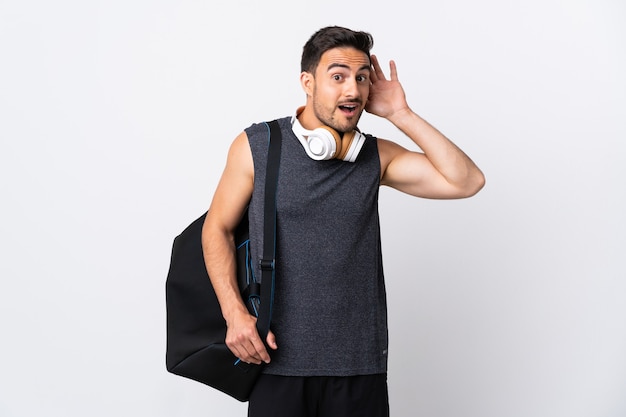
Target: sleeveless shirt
[329, 314]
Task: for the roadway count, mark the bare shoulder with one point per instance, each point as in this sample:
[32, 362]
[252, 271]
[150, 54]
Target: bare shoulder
[240, 155]
[235, 186]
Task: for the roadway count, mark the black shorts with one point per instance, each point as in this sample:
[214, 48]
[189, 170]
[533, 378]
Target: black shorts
[352, 396]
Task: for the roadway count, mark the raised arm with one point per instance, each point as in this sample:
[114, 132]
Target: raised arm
[227, 207]
[441, 170]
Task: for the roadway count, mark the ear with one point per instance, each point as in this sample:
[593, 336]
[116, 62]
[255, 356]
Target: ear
[307, 82]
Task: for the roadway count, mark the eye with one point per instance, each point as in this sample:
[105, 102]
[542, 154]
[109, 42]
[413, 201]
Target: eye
[337, 77]
[361, 78]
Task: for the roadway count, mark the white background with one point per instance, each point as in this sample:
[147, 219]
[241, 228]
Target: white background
[115, 119]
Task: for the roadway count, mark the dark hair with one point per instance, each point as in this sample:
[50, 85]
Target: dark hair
[333, 37]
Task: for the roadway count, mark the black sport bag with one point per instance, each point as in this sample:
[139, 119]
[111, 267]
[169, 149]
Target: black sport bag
[196, 329]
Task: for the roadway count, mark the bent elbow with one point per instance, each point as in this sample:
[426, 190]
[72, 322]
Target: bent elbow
[474, 185]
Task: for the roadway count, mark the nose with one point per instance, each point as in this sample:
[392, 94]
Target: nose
[351, 88]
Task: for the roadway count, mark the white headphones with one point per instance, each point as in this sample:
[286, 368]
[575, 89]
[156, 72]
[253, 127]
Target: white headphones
[325, 143]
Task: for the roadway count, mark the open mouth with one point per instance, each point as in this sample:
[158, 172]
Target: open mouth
[349, 109]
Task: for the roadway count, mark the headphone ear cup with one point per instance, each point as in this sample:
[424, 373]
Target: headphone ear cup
[344, 145]
[351, 146]
[333, 135]
[324, 142]
[345, 148]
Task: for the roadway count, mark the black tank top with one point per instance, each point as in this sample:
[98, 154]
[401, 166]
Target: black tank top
[329, 314]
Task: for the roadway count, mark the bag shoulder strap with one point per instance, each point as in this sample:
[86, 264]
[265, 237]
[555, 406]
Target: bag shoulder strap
[268, 261]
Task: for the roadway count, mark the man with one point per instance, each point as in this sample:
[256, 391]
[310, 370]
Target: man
[328, 344]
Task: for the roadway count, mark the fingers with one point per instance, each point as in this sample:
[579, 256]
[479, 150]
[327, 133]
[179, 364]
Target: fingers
[261, 354]
[255, 351]
[393, 71]
[378, 74]
[271, 340]
[250, 350]
[248, 346]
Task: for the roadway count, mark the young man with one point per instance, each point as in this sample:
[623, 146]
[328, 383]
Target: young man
[328, 344]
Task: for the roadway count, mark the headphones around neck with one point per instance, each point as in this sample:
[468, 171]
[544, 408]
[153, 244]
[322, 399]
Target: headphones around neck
[325, 143]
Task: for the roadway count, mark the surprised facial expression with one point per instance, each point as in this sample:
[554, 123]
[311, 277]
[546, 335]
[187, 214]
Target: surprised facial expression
[340, 88]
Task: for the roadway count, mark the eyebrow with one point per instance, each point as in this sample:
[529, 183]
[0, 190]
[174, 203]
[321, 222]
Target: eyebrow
[337, 65]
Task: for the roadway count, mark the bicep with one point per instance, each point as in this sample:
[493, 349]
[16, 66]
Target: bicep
[412, 173]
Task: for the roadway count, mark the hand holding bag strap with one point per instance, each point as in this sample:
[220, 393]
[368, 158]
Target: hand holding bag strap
[268, 262]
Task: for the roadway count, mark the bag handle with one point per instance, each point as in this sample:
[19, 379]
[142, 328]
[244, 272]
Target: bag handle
[268, 261]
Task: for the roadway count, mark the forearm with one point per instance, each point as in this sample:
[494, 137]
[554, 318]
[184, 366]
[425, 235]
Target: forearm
[242, 337]
[219, 255]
